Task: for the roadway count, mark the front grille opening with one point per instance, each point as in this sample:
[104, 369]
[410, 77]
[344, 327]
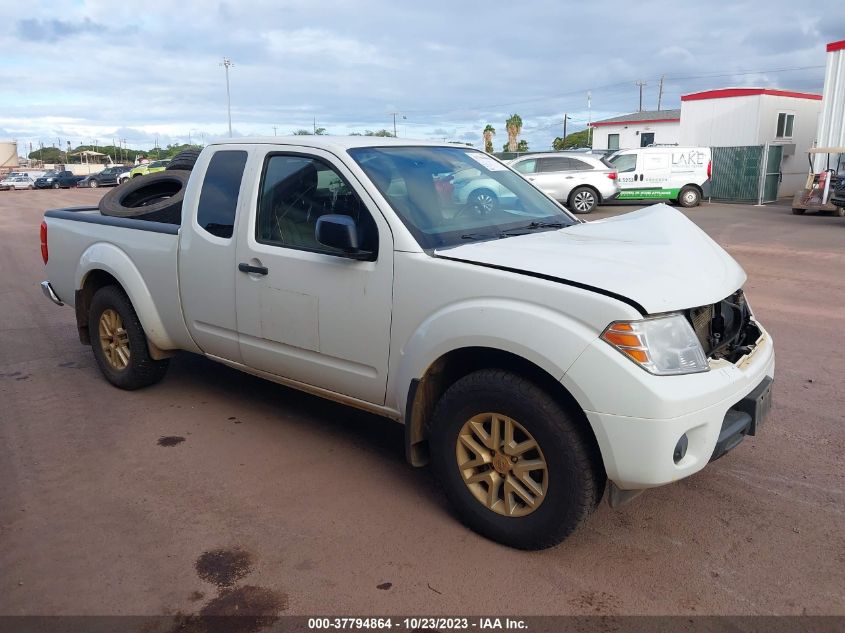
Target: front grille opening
[725, 329]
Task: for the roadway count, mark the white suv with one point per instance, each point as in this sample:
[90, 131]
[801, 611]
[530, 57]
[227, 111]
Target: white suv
[580, 181]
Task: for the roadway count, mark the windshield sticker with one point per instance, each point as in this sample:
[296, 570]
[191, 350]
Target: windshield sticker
[487, 161]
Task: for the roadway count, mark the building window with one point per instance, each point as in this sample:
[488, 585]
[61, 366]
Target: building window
[785, 123]
[612, 141]
[646, 139]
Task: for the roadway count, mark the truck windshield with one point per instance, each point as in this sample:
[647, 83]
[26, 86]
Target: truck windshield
[446, 196]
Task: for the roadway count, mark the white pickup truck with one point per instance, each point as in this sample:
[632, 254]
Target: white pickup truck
[534, 358]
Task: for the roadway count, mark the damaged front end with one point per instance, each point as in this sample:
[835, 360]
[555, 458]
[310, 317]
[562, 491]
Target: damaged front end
[727, 329]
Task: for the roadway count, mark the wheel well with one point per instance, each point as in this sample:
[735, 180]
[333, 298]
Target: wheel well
[451, 367]
[95, 280]
[694, 186]
[590, 187]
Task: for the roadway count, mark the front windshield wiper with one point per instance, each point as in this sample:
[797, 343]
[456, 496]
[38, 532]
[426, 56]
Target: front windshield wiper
[518, 230]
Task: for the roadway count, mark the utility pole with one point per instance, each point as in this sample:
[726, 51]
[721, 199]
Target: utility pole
[315, 125]
[394, 123]
[227, 64]
[641, 84]
[660, 92]
[274, 130]
[565, 117]
[589, 118]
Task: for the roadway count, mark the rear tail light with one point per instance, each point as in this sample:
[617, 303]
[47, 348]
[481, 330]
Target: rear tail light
[709, 168]
[612, 175]
[44, 254]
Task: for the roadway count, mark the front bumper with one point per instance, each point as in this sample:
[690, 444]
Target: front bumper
[638, 419]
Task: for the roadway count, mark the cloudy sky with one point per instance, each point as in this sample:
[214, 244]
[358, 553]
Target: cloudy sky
[84, 70]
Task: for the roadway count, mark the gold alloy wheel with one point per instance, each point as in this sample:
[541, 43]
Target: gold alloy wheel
[114, 339]
[502, 464]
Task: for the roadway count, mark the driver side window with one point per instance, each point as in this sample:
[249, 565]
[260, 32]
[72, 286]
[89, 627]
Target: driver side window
[295, 192]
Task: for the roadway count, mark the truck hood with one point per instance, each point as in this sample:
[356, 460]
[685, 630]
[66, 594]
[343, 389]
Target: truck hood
[654, 257]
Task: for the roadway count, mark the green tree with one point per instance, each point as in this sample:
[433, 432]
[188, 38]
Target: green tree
[522, 146]
[383, 133]
[320, 131]
[301, 132]
[489, 133]
[48, 155]
[576, 139]
[514, 127]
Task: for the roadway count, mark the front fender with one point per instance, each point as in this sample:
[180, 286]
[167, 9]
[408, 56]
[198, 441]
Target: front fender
[113, 260]
[547, 338]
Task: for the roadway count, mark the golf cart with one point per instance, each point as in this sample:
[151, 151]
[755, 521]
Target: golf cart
[816, 195]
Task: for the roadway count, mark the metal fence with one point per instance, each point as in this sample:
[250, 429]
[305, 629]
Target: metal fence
[736, 173]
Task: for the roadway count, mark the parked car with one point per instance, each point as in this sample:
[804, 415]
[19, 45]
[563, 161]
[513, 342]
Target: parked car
[149, 168]
[124, 175]
[57, 179]
[532, 357]
[580, 181]
[107, 177]
[681, 174]
[17, 182]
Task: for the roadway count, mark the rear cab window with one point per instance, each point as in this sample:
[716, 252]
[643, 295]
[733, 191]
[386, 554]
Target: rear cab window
[221, 186]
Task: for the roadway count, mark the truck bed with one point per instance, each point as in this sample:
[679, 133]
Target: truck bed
[143, 254]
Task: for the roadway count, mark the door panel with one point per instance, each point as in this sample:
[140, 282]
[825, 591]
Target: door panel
[207, 265]
[316, 316]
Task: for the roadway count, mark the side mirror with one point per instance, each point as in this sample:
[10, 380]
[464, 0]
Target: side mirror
[340, 232]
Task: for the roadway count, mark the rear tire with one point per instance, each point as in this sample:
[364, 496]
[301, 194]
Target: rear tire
[564, 491]
[582, 200]
[154, 197]
[93, 184]
[119, 343]
[689, 197]
[184, 160]
[798, 211]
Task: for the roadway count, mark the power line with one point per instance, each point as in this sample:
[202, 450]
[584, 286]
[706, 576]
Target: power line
[738, 73]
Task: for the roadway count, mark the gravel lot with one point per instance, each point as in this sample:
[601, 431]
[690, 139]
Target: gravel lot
[280, 497]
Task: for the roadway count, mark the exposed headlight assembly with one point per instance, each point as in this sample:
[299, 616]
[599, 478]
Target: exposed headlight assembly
[664, 345]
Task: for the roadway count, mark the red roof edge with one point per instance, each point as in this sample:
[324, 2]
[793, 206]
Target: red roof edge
[725, 93]
[600, 123]
[836, 46]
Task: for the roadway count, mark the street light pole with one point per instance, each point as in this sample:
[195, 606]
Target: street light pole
[227, 63]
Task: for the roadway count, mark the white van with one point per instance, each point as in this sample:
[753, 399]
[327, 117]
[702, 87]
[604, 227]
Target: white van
[681, 174]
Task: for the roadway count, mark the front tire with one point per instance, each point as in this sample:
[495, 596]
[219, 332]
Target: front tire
[798, 211]
[119, 343]
[56, 185]
[515, 465]
[583, 200]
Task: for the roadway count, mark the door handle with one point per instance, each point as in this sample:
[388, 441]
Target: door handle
[254, 270]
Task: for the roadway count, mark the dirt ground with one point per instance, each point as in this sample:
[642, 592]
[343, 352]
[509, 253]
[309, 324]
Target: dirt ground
[215, 486]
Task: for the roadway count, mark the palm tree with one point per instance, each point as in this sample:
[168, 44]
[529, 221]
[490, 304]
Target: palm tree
[514, 126]
[489, 133]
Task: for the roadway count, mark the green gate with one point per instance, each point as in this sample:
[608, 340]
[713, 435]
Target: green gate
[736, 173]
[771, 181]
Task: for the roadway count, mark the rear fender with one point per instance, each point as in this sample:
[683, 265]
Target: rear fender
[113, 260]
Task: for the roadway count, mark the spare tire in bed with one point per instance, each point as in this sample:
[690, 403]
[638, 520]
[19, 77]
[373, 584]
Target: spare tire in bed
[154, 197]
[186, 159]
